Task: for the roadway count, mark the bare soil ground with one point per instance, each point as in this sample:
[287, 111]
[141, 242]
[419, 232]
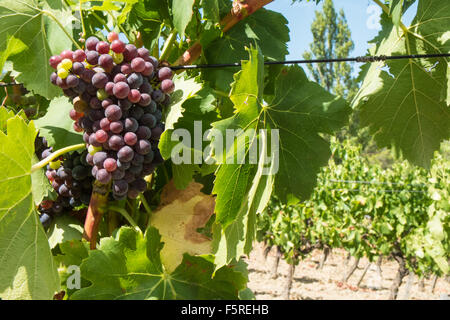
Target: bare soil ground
[326, 284]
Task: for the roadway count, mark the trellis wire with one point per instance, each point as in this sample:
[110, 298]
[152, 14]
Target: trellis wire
[361, 59]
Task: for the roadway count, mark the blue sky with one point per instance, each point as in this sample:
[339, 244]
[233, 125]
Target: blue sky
[362, 17]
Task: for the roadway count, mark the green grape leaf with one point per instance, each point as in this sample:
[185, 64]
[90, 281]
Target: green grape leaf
[64, 228]
[211, 10]
[182, 11]
[147, 17]
[407, 106]
[29, 32]
[129, 267]
[57, 127]
[40, 186]
[268, 29]
[27, 269]
[299, 111]
[193, 111]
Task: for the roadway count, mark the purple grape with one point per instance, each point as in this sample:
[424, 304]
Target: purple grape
[126, 68]
[120, 77]
[99, 80]
[125, 154]
[158, 96]
[103, 176]
[167, 86]
[120, 187]
[136, 169]
[80, 88]
[79, 55]
[93, 141]
[86, 137]
[148, 70]
[134, 80]
[64, 191]
[90, 88]
[106, 61]
[165, 73]
[91, 43]
[78, 68]
[125, 104]
[131, 125]
[110, 165]
[53, 78]
[129, 177]
[137, 159]
[154, 62]
[130, 138]
[118, 174]
[130, 52]
[146, 87]
[143, 132]
[116, 142]
[106, 103]
[123, 165]
[148, 168]
[105, 124]
[138, 64]
[137, 113]
[121, 90]
[148, 120]
[116, 127]
[99, 158]
[145, 100]
[61, 83]
[113, 113]
[90, 159]
[109, 88]
[152, 107]
[143, 147]
[87, 77]
[92, 57]
[148, 158]
[102, 47]
[157, 132]
[139, 184]
[96, 127]
[94, 103]
[96, 114]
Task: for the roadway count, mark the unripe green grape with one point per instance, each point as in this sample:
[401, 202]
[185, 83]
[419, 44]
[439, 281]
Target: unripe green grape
[66, 64]
[55, 165]
[102, 95]
[93, 150]
[117, 57]
[63, 73]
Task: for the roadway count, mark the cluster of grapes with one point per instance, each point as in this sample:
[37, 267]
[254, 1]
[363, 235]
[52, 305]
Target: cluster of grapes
[118, 93]
[71, 178]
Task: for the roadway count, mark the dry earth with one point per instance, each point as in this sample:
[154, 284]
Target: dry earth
[326, 284]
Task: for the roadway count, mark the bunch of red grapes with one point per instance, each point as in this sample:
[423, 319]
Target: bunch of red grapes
[118, 92]
[70, 176]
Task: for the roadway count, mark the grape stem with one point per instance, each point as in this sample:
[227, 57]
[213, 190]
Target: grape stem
[239, 12]
[145, 203]
[125, 214]
[168, 45]
[55, 155]
[98, 205]
[83, 27]
[62, 27]
[386, 10]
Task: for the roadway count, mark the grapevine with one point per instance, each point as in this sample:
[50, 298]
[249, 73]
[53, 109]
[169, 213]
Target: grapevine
[146, 145]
